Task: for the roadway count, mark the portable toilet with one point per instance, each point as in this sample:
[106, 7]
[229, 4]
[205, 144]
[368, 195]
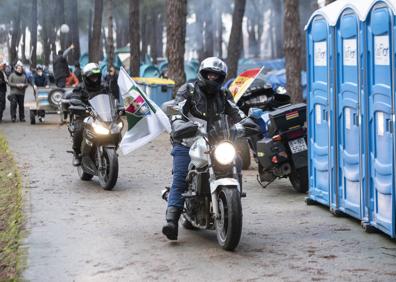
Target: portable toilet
[380, 75]
[349, 188]
[320, 112]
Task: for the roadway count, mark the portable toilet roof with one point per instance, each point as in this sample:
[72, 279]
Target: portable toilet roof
[333, 11]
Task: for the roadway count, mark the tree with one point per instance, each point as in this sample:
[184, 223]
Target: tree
[74, 34]
[110, 39]
[33, 30]
[95, 50]
[234, 44]
[134, 36]
[327, 2]
[292, 46]
[306, 8]
[176, 11]
[15, 34]
[277, 29]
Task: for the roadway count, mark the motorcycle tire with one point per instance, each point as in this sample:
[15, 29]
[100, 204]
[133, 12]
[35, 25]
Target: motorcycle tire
[55, 97]
[244, 153]
[229, 226]
[299, 179]
[83, 175]
[186, 223]
[109, 178]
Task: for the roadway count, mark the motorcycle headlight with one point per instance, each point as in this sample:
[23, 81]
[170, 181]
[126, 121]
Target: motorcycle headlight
[100, 129]
[224, 153]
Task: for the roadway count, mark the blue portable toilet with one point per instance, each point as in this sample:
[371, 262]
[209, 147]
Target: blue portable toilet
[380, 75]
[320, 112]
[349, 189]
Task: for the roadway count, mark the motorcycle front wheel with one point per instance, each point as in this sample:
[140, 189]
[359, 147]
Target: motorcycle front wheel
[299, 179]
[109, 173]
[229, 225]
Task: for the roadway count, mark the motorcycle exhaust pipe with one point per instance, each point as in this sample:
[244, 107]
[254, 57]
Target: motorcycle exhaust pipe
[286, 169]
[165, 193]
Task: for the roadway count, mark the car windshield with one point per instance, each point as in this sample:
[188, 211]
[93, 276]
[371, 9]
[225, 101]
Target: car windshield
[103, 106]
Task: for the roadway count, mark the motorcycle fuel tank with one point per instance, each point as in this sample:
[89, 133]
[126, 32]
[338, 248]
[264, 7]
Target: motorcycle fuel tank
[198, 155]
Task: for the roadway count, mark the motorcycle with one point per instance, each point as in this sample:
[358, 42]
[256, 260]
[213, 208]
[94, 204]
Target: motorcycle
[281, 150]
[214, 190]
[102, 128]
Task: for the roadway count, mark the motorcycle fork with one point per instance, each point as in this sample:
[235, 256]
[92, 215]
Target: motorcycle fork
[99, 152]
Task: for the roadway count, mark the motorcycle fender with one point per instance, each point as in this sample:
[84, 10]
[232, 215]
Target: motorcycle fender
[214, 185]
[300, 160]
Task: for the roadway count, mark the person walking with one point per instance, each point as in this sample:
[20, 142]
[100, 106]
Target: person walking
[18, 84]
[61, 67]
[3, 90]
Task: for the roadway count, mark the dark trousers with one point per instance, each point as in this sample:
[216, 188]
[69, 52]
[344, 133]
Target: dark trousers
[78, 129]
[17, 101]
[61, 82]
[2, 103]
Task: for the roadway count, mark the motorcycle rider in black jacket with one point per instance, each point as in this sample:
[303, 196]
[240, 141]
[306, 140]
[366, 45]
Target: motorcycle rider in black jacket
[203, 101]
[90, 87]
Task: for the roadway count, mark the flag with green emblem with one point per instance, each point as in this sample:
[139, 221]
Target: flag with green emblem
[146, 121]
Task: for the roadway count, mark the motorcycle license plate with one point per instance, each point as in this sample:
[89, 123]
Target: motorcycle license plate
[298, 145]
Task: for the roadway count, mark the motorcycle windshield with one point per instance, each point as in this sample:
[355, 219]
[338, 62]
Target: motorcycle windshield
[220, 129]
[103, 106]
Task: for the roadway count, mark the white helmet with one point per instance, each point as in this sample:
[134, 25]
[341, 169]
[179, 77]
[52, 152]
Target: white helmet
[211, 65]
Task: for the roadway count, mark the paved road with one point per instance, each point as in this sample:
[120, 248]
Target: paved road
[79, 232]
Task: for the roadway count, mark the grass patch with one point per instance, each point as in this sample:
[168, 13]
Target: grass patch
[11, 215]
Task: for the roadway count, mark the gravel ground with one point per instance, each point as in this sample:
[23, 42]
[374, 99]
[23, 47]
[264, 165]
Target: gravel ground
[79, 232]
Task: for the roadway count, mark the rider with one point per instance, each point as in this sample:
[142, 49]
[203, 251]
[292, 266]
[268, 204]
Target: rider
[90, 87]
[203, 100]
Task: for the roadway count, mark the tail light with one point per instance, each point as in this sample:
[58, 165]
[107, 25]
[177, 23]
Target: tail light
[276, 138]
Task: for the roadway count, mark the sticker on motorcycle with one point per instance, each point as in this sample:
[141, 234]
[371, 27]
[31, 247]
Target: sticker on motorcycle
[292, 115]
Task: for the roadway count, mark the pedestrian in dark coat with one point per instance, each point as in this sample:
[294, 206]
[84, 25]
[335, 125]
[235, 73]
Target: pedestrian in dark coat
[3, 89]
[61, 67]
[18, 84]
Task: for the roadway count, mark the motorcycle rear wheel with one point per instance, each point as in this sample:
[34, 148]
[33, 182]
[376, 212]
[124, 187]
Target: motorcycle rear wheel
[108, 177]
[229, 226]
[299, 179]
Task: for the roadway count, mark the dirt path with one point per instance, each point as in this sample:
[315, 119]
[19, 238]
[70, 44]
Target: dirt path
[79, 232]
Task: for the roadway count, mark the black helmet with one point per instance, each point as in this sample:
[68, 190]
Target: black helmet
[92, 76]
[211, 65]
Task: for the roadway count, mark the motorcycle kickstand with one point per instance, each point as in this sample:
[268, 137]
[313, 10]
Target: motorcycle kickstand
[265, 185]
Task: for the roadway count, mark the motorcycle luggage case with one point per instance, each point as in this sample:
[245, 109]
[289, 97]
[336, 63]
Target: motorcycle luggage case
[264, 152]
[287, 117]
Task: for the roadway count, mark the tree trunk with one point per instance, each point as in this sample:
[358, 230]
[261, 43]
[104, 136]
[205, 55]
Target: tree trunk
[176, 11]
[278, 28]
[23, 45]
[60, 17]
[95, 51]
[220, 34]
[33, 31]
[209, 48]
[292, 46]
[153, 36]
[145, 31]
[134, 37]
[90, 23]
[45, 34]
[200, 32]
[160, 31]
[15, 34]
[327, 2]
[235, 42]
[74, 35]
[306, 8]
[110, 39]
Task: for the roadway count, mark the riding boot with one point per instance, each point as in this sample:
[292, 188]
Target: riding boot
[170, 229]
[76, 159]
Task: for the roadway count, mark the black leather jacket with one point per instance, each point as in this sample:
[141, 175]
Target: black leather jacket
[197, 105]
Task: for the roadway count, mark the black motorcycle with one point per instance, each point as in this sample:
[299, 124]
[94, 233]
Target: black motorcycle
[101, 136]
[281, 150]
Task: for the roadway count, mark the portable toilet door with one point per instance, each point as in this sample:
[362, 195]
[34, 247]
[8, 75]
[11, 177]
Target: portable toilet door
[379, 25]
[348, 194]
[320, 109]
